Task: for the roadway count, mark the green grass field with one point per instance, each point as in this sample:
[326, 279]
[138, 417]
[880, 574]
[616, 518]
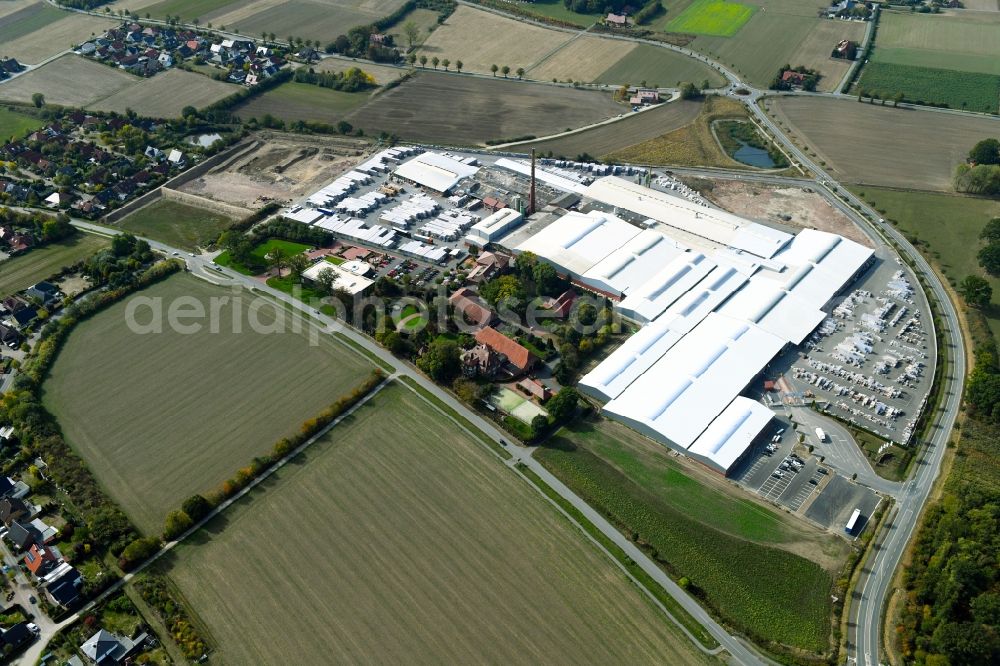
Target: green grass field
[14, 125]
[28, 20]
[947, 227]
[657, 65]
[712, 17]
[557, 9]
[923, 85]
[259, 255]
[415, 549]
[25, 270]
[160, 416]
[943, 42]
[303, 101]
[726, 546]
[176, 224]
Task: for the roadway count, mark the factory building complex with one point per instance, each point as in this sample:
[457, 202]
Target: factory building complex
[718, 297]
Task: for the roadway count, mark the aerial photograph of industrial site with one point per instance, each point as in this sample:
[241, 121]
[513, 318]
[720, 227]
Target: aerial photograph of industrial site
[500, 331]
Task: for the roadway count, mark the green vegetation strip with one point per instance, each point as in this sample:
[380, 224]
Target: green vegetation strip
[712, 17]
[735, 577]
[676, 610]
[458, 418]
[935, 87]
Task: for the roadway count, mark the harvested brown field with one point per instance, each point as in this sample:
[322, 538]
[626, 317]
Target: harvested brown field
[8, 7]
[56, 37]
[463, 110]
[279, 167]
[309, 19]
[768, 203]
[166, 94]
[382, 74]
[634, 128]
[583, 59]
[480, 39]
[410, 543]
[68, 81]
[692, 145]
[908, 148]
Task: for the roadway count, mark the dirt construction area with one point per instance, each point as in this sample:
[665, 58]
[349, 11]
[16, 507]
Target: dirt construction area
[276, 168]
[776, 203]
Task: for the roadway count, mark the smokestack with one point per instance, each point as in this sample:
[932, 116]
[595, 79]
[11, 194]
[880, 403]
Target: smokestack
[531, 193]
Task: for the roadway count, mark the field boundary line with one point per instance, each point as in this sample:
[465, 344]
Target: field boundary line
[170, 545]
[557, 49]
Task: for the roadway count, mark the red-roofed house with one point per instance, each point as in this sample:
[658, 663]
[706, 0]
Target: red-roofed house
[473, 310]
[519, 358]
[40, 559]
[792, 78]
[616, 20]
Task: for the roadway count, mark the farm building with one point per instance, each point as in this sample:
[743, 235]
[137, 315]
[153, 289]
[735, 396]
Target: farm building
[718, 296]
[436, 172]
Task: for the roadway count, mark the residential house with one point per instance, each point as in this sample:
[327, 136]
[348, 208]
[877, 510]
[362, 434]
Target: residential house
[41, 559]
[561, 305]
[21, 536]
[14, 509]
[519, 359]
[22, 318]
[13, 489]
[20, 243]
[488, 264]
[62, 586]
[644, 96]
[9, 336]
[46, 532]
[471, 308]
[10, 66]
[481, 361]
[165, 59]
[616, 20]
[176, 158]
[45, 292]
[793, 78]
[107, 649]
[534, 388]
[58, 200]
[15, 638]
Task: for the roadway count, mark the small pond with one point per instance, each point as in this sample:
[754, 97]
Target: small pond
[753, 156]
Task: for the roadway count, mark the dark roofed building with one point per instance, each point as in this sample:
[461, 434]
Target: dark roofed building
[65, 590]
[13, 509]
[22, 536]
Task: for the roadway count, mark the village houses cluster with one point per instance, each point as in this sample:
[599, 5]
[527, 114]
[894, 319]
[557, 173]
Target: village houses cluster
[146, 50]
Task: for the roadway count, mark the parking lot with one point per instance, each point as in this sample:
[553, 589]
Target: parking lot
[870, 362]
[776, 472]
[840, 497]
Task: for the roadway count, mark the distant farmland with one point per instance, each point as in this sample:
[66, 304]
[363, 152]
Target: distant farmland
[158, 417]
[906, 148]
[166, 94]
[633, 129]
[70, 80]
[40, 31]
[25, 270]
[938, 87]
[410, 543]
[463, 110]
[712, 17]
[302, 101]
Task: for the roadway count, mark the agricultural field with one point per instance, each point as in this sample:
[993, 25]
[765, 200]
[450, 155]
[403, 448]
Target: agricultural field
[947, 227]
[357, 530]
[70, 80]
[905, 148]
[309, 19]
[176, 224]
[585, 59]
[556, 9]
[186, 9]
[166, 94]
[937, 59]
[694, 144]
[481, 39]
[469, 110]
[25, 270]
[634, 128]
[712, 17]
[780, 32]
[426, 21]
[161, 416]
[302, 101]
[45, 34]
[25, 19]
[938, 87]
[16, 125]
[723, 543]
[658, 66]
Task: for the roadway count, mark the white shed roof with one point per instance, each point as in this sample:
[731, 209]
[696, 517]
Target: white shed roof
[731, 433]
[577, 242]
[346, 280]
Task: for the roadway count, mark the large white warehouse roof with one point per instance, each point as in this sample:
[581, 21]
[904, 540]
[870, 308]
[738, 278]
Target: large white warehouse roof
[435, 171]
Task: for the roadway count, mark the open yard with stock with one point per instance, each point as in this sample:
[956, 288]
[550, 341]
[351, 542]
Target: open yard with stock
[25, 270]
[633, 129]
[947, 226]
[176, 224]
[302, 101]
[396, 564]
[70, 80]
[872, 144]
[759, 570]
[469, 110]
[161, 416]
